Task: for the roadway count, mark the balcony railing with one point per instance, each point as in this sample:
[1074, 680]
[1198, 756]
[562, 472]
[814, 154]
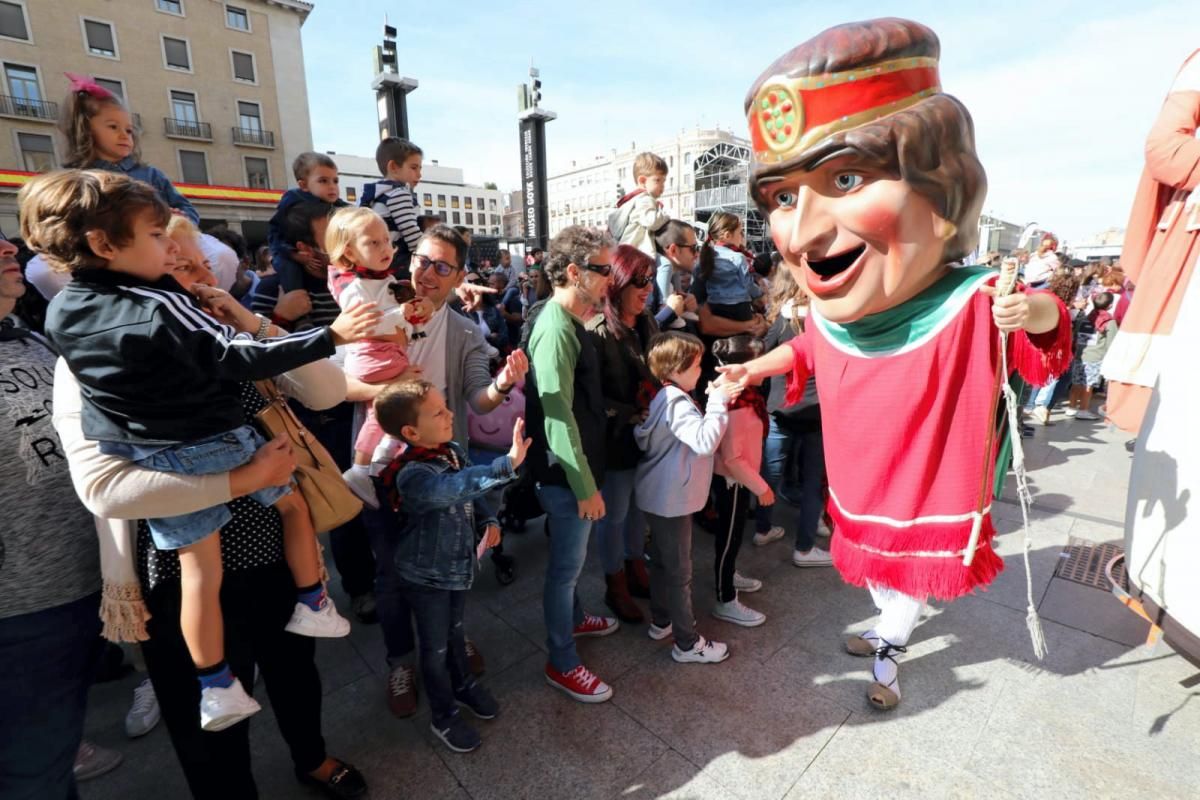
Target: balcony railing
[253, 137]
[187, 129]
[27, 108]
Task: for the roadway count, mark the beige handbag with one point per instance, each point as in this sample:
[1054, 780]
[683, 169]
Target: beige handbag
[330, 501]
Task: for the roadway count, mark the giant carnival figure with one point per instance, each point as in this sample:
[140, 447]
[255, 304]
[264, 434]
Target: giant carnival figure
[1151, 368]
[867, 173]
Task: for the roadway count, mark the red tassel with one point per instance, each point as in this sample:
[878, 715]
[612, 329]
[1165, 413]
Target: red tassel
[940, 577]
[1041, 357]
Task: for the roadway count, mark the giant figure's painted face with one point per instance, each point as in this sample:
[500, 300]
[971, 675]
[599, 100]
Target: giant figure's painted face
[860, 242]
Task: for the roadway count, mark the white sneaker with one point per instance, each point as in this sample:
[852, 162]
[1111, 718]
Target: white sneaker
[360, 483]
[1087, 415]
[221, 707]
[1040, 415]
[775, 533]
[658, 634]
[144, 714]
[738, 614]
[744, 584]
[324, 624]
[1070, 411]
[702, 652]
[815, 557]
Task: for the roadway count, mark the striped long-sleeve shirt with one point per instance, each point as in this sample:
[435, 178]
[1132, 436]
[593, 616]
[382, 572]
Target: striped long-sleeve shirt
[397, 204]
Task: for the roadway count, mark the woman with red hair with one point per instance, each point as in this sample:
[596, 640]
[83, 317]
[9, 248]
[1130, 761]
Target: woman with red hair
[622, 334]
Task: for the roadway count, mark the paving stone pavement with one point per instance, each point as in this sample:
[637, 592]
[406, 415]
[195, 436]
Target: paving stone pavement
[785, 716]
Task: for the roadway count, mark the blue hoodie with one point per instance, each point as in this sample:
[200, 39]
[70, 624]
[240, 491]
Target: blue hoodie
[680, 444]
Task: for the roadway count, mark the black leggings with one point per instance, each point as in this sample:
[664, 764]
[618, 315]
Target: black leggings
[732, 505]
[257, 604]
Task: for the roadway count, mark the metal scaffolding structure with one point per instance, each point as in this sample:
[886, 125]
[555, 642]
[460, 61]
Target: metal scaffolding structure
[722, 184]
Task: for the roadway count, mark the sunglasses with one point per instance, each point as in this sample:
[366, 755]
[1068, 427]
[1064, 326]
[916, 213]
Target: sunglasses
[640, 281]
[442, 268]
[603, 270]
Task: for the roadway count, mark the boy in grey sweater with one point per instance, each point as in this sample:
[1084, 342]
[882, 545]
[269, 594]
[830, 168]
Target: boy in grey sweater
[673, 479]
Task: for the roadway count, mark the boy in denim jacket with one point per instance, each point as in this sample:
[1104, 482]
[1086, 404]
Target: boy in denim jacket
[441, 505]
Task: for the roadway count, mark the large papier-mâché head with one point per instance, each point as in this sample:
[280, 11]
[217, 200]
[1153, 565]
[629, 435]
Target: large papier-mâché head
[864, 168]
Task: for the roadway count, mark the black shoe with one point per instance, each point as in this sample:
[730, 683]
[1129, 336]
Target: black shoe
[457, 735]
[506, 568]
[365, 608]
[479, 700]
[345, 783]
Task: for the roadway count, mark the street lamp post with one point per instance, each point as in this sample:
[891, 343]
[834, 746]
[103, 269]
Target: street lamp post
[391, 89]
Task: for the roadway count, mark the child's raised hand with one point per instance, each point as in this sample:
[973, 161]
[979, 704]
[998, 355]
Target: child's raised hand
[417, 310]
[225, 308]
[520, 445]
[355, 323]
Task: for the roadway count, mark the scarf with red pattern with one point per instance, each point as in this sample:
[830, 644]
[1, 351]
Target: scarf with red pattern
[443, 454]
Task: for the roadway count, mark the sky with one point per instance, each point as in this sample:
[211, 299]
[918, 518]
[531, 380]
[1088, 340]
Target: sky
[1062, 92]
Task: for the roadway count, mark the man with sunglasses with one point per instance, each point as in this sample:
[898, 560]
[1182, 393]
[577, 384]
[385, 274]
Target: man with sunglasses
[452, 355]
[677, 252]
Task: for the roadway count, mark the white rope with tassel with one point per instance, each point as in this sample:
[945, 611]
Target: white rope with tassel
[1006, 283]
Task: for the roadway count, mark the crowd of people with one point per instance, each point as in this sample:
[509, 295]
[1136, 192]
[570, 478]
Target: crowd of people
[606, 355]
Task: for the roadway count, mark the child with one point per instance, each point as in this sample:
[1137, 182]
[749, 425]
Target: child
[317, 179]
[673, 480]
[739, 462]
[394, 198]
[159, 380]
[444, 508]
[100, 135]
[639, 214]
[729, 285]
[360, 255]
[1094, 334]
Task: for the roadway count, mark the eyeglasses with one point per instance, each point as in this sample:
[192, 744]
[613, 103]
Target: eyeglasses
[640, 281]
[442, 268]
[695, 248]
[603, 270]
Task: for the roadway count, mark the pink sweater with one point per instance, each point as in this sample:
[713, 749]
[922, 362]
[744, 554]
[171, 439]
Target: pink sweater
[739, 458]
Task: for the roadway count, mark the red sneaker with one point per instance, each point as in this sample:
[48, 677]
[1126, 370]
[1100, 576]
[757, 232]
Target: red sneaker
[580, 684]
[596, 626]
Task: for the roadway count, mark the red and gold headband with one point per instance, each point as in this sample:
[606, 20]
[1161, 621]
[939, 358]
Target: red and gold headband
[790, 115]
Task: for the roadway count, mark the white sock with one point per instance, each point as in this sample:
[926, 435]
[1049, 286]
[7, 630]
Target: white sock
[887, 673]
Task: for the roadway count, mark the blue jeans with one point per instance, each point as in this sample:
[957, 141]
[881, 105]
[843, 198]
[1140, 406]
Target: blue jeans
[568, 550]
[794, 467]
[439, 616]
[1043, 397]
[621, 535]
[50, 657]
[219, 453]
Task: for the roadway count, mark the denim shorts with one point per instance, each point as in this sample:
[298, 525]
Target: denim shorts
[219, 453]
[1085, 373]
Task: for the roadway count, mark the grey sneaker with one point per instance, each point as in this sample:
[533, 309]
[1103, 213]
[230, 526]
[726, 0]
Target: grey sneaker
[92, 761]
[144, 714]
[744, 584]
[775, 533]
[816, 557]
[738, 614]
[659, 633]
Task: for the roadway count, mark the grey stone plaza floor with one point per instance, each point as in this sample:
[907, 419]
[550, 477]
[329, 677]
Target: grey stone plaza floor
[1103, 716]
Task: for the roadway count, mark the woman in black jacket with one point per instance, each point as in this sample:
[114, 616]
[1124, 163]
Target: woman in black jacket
[622, 334]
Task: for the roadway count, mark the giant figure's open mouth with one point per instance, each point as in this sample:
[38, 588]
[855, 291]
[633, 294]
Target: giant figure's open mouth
[826, 268]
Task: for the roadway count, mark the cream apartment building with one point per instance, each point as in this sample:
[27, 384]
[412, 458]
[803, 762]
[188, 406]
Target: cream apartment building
[217, 89]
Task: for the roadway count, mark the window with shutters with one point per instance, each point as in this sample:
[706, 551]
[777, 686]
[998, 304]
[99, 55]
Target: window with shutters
[237, 18]
[183, 107]
[14, 22]
[170, 6]
[99, 38]
[258, 173]
[470, 218]
[249, 117]
[427, 200]
[243, 66]
[37, 152]
[193, 166]
[114, 86]
[177, 53]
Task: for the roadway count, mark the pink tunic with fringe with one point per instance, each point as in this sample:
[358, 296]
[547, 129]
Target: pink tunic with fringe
[904, 433]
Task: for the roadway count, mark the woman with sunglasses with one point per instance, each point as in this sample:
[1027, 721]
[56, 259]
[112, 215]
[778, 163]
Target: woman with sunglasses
[622, 334]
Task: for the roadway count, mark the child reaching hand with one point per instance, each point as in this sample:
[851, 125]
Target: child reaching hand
[442, 502]
[360, 257]
[160, 384]
[680, 443]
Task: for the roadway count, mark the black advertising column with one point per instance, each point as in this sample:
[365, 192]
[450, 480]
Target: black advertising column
[535, 216]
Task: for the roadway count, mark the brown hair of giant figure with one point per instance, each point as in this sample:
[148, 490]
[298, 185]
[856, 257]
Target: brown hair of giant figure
[927, 142]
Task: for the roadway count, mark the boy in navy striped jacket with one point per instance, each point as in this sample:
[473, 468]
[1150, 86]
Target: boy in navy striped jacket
[394, 198]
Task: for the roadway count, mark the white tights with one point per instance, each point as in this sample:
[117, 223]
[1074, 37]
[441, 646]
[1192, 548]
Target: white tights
[898, 616]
